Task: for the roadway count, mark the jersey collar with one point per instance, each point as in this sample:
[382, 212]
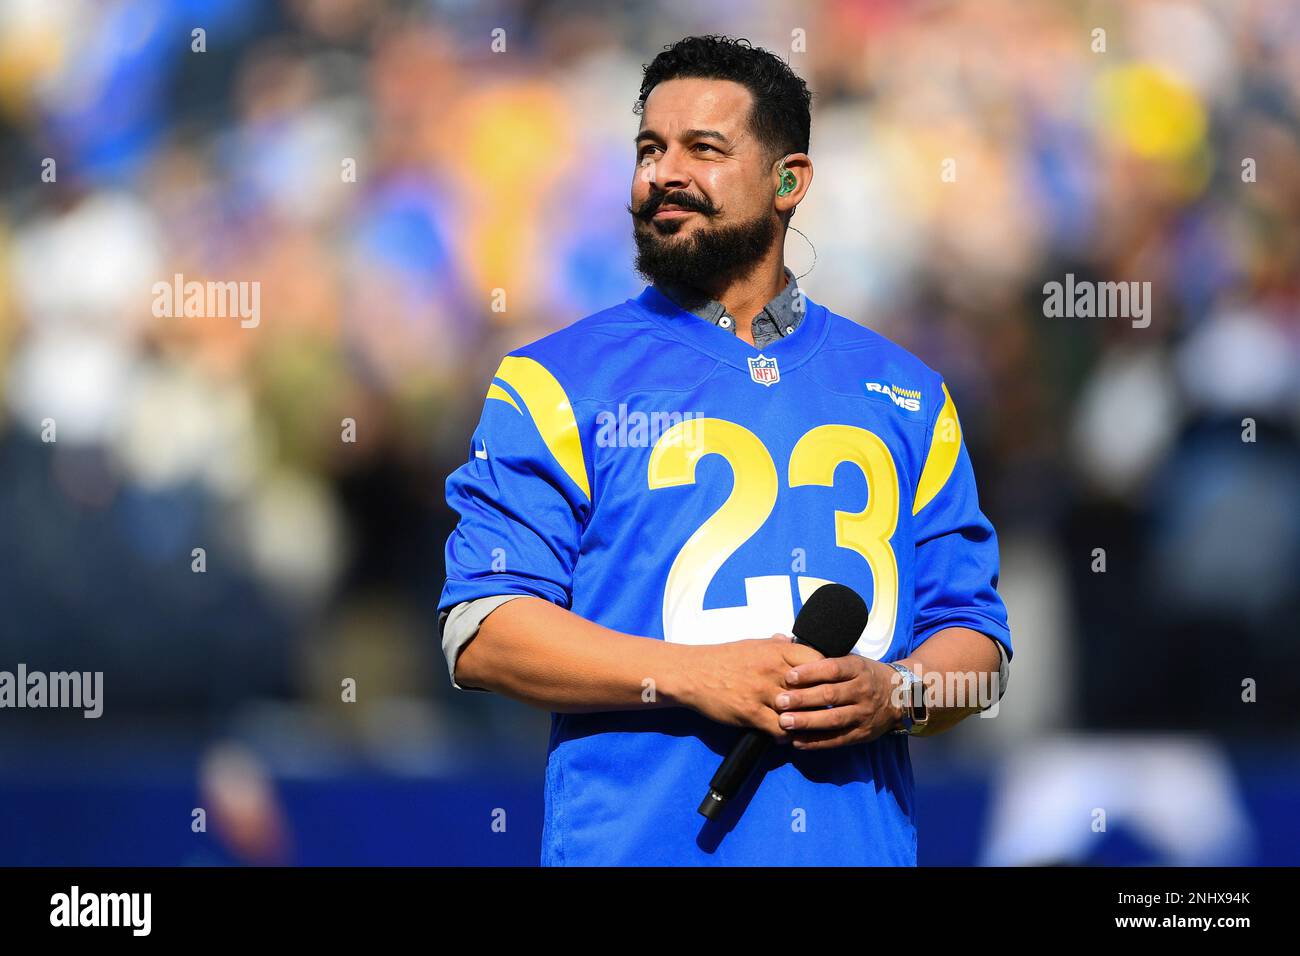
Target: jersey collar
[790, 351]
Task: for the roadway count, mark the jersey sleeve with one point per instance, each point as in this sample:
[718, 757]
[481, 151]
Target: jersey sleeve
[523, 496]
[956, 565]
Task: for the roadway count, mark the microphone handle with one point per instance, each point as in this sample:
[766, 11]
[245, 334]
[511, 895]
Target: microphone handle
[731, 775]
[740, 762]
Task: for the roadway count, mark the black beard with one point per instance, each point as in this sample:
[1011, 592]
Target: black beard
[710, 256]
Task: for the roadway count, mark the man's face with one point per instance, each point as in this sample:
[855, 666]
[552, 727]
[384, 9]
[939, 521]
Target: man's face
[702, 192]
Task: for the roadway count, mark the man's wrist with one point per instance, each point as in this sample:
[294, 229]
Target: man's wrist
[897, 703]
[675, 684]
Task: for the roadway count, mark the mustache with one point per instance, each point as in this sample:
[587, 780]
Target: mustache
[685, 200]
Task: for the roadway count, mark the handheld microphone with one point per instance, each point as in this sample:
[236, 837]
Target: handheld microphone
[830, 622]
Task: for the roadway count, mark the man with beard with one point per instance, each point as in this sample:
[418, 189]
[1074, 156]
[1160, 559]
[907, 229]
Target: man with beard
[626, 579]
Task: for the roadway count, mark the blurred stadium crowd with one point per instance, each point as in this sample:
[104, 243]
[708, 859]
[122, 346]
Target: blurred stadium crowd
[478, 172]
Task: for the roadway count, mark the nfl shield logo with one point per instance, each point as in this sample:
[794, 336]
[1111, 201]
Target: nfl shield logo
[764, 370]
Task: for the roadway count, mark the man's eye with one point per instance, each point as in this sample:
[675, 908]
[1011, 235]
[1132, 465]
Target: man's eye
[644, 152]
[703, 146]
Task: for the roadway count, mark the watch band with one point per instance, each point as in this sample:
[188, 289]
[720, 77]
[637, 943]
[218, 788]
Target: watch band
[910, 680]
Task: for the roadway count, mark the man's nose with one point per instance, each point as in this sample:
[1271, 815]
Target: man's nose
[670, 172]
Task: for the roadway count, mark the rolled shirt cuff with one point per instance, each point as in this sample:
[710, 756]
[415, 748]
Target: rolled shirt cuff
[460, 625]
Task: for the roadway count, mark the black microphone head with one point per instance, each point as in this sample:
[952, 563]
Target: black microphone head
[831, 620]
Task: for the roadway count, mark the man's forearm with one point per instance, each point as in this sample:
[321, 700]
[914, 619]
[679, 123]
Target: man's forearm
[539, 653]
[959, 664]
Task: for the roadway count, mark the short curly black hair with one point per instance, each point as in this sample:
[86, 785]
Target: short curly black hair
[781, 116]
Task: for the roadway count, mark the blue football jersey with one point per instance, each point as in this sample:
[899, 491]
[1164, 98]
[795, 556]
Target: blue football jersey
[660, 476]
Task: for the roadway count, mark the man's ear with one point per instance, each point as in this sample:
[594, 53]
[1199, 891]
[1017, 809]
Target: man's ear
[793, 175]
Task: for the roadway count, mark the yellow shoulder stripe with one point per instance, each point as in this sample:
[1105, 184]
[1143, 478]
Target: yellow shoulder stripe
[945, 445]
[496, 391]
[550, 410]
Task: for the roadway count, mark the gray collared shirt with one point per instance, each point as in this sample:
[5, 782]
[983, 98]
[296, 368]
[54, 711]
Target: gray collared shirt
[780, 317]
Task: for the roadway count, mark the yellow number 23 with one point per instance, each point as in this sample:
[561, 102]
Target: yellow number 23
[769, 606]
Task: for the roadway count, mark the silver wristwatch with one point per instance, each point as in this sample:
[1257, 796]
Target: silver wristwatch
[915, 712]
